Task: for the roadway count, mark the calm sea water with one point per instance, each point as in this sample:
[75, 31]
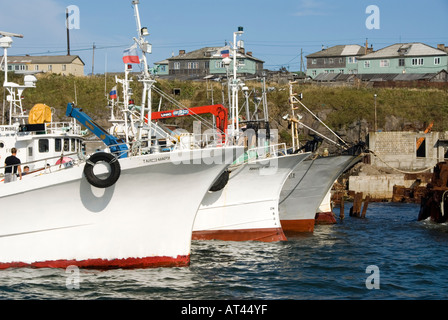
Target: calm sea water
[410, 260]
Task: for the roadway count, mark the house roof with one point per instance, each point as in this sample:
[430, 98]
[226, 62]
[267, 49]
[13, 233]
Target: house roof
[339, 51]
[43, 59]
[209, 53]
[405, 50]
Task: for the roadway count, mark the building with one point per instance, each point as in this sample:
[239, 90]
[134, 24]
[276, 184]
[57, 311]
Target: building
[334, 60]
[404, 58]
[66, 65]
[208, 61]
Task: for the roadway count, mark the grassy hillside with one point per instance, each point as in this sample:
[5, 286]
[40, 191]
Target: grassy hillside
[339, 107]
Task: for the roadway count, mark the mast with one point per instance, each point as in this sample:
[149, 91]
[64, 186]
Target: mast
[234, 103]
[145, 47]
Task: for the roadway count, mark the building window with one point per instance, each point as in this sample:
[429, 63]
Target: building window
[367, 64]
[417, 61]
[331, 71]
[436, 61]
[314, 73]
[331, 60]
[325, 61]
[384, 63]
[50, 67]
[193, 65]
[340, 60]
[20, 67]
[314, 61]
[36, 67]
[421, 151]
[64, 67]
[219, 65]
[341, 70]
[401, 62]
[176, 65]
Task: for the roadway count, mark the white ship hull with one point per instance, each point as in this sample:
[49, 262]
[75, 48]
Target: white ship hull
[247, 207]
[305, 190]
[144, 220]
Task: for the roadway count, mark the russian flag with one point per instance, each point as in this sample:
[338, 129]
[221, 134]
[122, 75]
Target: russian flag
[225, 53]
[113, 93]
[130, 55]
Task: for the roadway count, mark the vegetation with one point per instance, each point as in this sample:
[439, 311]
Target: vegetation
[339, 107]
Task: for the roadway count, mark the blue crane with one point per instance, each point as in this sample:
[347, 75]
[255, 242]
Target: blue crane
[116, 146]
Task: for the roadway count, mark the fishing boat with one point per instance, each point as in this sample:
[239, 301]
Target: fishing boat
[129, 207]
[311, 181]
[307, 186]
[246, 208]
[42, 144]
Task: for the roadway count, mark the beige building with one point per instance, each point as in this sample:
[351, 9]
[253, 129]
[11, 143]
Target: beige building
[66, 65]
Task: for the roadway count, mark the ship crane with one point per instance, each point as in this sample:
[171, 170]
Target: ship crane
[116, 147]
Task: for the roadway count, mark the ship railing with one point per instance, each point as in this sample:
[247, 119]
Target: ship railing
[262, 152]
[63, 127]
[198, 141]
[47, 165]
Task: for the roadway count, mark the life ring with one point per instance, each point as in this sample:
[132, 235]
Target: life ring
[114, 174]
[221, 182]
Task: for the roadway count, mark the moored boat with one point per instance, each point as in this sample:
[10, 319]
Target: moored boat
[126, 208]
[306, 187]
[247, 208]
[311, 181]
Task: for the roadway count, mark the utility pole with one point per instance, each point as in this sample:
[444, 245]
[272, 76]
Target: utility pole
[68, 32]
[301, 62]
[93, 58]
[376, 128]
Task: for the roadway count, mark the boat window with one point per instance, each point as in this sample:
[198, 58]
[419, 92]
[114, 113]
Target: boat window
[66, 144]
[57, 145]
[2, 145]
[30, 151]
[43, 145]
[73, 144]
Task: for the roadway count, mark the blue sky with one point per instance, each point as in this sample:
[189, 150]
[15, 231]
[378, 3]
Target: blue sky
[275, 31]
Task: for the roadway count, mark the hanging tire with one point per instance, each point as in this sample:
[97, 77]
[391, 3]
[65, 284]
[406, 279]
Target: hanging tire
[114, 173]
[221, 182]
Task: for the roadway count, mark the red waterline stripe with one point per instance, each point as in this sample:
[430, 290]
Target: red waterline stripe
[291, 226]
[264, 235]
[129, 263]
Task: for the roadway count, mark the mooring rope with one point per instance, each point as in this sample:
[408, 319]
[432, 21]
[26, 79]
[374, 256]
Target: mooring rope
[398, 170]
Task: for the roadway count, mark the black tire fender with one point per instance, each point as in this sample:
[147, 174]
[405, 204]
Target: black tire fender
[115, 170]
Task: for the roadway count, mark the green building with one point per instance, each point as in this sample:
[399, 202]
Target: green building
[208, 61]
[403, 58]
[335, 60]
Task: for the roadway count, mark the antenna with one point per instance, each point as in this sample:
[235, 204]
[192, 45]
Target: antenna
[9, 34]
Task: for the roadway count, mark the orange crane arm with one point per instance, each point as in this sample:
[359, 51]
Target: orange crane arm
[428, 129]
